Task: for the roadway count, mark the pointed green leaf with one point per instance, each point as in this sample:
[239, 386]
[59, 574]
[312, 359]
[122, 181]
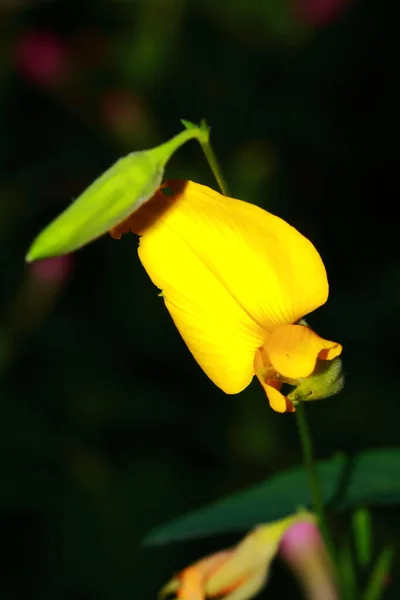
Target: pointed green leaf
[275, 498]
[115, 195]
[376, 586]
[363, 536]
[370, 477]
[347, 572]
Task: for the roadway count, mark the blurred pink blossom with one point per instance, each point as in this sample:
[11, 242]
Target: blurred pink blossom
[121, 111]
[52, 271]
[319, 12]
[303, 549]
[41, 56]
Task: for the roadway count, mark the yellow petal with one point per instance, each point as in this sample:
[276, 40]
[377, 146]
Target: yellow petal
[169, 588]
[220, 334]
[293, 350]
[229, 272]
[272, 271]
[248, 557]
[191, 585]
[277, 401]
[208, 565]
[192, 579]
[253, 554]
[237, 573]
[250, 587]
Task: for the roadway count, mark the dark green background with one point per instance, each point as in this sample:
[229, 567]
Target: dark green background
[108, 427]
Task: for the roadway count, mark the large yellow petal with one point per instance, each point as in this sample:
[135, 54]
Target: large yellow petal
[270, 269]
[229, 272]
[217, 330]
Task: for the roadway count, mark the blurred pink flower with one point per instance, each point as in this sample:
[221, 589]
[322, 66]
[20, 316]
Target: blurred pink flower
[319, 12]
[42, 284]
[303, 549]
[52, 271]
[41, 56]
[121, 111]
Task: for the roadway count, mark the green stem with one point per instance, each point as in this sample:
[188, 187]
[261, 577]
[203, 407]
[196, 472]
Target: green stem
[376, 585]
[215, 166]
[316, 494]
[178, 140]
[202, 133]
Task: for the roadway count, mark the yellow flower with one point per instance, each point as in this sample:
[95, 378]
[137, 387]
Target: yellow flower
[236, 280]
[237, 573]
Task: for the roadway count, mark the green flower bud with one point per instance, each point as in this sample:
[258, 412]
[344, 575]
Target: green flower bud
[113, 197]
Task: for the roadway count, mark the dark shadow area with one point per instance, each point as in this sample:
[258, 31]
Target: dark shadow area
[108, 426]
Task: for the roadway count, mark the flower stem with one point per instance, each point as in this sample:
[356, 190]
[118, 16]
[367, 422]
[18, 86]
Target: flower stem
[315, 489]
[214, 166]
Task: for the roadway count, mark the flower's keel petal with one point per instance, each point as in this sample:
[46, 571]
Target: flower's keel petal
[293, 350]
[217, 330]
[277, 401]
[269, 268]
[193, 578]
[250, 559]
[250, 556]
[250, 588]
[265, 374]
[191, 585]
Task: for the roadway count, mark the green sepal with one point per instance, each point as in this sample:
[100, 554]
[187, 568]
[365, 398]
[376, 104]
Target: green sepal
[326, 380]
[109, 200]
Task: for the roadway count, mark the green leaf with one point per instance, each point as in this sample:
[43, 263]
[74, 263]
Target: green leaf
[347, 572]
[370, 477]
[276, 497]
[376, 585]
[362, 528]
[115, 195]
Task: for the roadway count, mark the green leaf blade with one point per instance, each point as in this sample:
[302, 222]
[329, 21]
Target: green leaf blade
[372, 477]
[347, 572]
[376, 585]
[363, 536]
[275, 498]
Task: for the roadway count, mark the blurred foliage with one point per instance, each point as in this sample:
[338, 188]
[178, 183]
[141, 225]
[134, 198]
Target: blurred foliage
[108, 426]
[371, 477]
